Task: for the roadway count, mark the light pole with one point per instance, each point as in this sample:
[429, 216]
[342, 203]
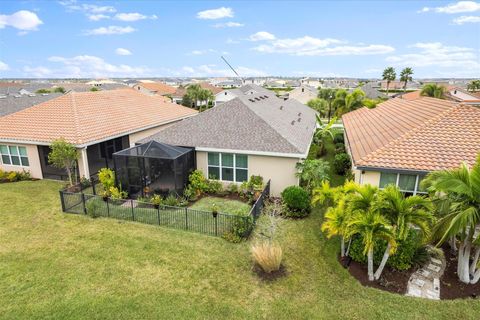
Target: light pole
[330, 97]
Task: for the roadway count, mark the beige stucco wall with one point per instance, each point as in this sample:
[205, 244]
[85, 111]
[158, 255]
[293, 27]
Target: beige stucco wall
[280, 170]
[134, 137]
[370, 177]
[34, 167]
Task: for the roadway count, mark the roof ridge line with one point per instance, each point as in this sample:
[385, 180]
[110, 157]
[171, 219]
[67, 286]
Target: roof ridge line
[75, 117]
[260, 117]
[409, 133]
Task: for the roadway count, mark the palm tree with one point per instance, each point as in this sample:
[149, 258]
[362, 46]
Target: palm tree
[371, 226]
[458, 190]
[205, 96]
[403, 213]
[433, 90]
[325, 129]
[345, 102]
[336, 223]
[319, 105]
[325, 195]
[194, 93]
[405, 76]
[389, 74]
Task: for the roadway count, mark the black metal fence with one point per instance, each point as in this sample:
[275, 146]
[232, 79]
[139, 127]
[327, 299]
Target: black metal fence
[214, 224]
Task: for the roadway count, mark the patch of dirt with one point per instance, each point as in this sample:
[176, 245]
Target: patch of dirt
[391, 280]
[230, 196]
[451, 287]
[272, 276]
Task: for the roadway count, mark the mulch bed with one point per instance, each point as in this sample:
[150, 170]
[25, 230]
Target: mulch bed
[282, 272]
[451, 287]
[230, 196]
[391, 280]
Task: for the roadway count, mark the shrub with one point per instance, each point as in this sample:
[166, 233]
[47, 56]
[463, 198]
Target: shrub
[156, 200]
[313, 152]
[171, 201]
[198, 182]
[214, 186]
[13, 176]
[241, 229]
[106, 177]
[255, 182]
[232, 188]
[296, 201]
[339, 148]
[268, 256]
[342, 163]
[339, 138]
[117, 193]
[93, 207]
[189, 193]
[403, 259]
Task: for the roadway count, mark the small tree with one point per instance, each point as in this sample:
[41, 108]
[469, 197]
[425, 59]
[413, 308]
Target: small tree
[405, 76]
[389, 75]
[433, 90]
[313, 172]
[59, 90]
[63, 155]
[93, 89]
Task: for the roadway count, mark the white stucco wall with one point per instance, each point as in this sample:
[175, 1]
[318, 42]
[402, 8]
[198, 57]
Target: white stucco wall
[280, 170]
[34, 166]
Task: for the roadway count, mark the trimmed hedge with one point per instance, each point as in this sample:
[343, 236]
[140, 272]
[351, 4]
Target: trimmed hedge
[342, 163]
[296, 202]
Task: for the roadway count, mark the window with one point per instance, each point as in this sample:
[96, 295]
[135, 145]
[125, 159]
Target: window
[407, 183]
[14, 155]
[228, 166]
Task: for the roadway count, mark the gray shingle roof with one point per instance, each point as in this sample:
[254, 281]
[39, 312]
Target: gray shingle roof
[11, 104]
[266, 124]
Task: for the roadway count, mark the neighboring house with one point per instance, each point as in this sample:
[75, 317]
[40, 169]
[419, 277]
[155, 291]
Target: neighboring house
[372, 92]
[398, 85]
[177, 96]
[227, 95]
[154, 88]
[401, 141]
[13, 103]
[97, 123]
[303, 94]
[255, 133]
[234, 83]
[453, 93]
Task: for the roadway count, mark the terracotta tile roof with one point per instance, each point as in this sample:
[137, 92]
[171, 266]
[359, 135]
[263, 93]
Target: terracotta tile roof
[420, 135]
[158, 87]
[414, 95]
[85, 117]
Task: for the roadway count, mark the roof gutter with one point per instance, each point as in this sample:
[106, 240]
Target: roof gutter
[393, 170]
[256, 153]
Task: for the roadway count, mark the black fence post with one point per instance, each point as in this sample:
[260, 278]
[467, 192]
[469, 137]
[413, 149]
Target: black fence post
[92, 182]
[133, 211]
[186, 219]
[83, 202]
[62, 200]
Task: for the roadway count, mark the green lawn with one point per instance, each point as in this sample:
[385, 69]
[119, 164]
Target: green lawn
[336, 180]
[224, 205]
[65, 266]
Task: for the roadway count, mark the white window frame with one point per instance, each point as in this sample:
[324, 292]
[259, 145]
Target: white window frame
[10, 156]
[417, 178]
[220, 166]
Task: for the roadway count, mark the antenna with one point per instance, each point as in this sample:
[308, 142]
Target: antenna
[232, 68]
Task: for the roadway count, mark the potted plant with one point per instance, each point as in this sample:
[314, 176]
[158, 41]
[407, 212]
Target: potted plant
[214, 210]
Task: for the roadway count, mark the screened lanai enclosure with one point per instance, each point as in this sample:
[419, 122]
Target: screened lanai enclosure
[153, 168]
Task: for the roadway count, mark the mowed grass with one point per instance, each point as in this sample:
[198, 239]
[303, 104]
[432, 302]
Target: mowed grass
[223, 205]
[329, 156]
[65, 266]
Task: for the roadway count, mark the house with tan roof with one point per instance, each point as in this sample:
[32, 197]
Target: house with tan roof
[400, 141]
[154, 88]
[177, 96]
[97, 123]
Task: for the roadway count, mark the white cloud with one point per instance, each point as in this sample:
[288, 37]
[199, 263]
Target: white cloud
[215, 13]
[110, 30]
[123, 52]
[22, 20]
[212, 70]
[310, 46]
[261, 35]
[3, 66]
[231, 41]
[437, 54]
[458, 7]
[202, 52]
[229, 24]
[466, 19]
[97, 17]
[85, 66]
[73, 5]
[134, 16]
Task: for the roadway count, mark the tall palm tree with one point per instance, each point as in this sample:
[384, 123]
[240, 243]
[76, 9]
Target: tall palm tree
[458, 190]
[371, 226]
[405, 76]
[433, 90]
[345, 102]
[403, 213]
[389, 75]
[194, 92]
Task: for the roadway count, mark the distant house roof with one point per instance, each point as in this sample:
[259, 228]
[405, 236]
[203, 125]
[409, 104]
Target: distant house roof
[372, 92]
[180, 92]
[158, 87]
[11, 104]
[84, 118]
[256, 121]
[421, 135]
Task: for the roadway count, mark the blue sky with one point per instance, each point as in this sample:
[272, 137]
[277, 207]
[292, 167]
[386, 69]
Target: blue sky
[69, 38]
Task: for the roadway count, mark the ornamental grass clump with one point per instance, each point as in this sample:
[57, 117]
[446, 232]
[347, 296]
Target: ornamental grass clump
[268, 256]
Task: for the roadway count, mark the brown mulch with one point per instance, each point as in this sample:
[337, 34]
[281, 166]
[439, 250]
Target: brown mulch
[230, 196]
[282, 272]
[391, 280]
[451, 287]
